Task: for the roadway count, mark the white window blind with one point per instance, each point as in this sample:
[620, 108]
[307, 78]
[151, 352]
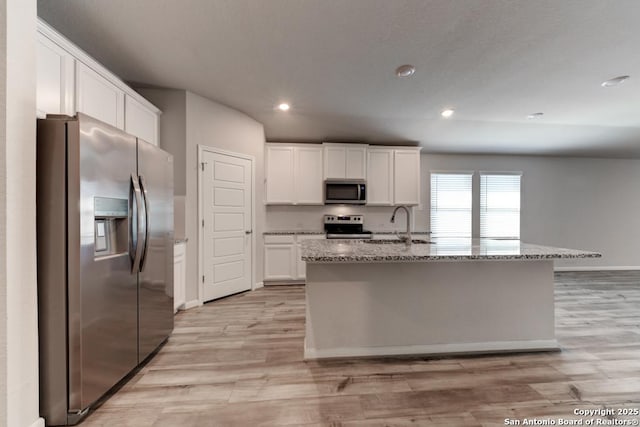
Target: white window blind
[451, 201]
[500, 205]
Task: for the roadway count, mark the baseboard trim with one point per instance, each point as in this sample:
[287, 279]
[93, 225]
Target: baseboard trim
[283, 282]
[191, 304]
[38, 423]
[258, 285]
[599, 268]
[434, 349]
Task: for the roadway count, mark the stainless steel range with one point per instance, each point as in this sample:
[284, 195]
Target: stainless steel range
[345, 227]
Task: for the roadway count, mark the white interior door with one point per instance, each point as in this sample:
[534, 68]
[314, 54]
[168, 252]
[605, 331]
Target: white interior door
[226, 198]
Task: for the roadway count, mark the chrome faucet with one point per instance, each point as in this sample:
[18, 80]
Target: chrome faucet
[407, 237]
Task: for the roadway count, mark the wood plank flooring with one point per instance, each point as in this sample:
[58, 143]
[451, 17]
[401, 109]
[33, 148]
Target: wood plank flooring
[238, 362]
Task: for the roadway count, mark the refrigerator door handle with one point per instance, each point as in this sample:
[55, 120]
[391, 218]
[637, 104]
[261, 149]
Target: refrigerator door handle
[135, 247]
[143, 191]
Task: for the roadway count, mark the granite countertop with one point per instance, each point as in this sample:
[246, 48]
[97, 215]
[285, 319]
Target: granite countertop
[401, 232]
[356, 251]
[179, 240]
[294, 232]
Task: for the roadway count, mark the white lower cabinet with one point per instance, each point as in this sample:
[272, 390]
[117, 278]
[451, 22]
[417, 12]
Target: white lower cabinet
[179, 275]
[279, 257]
[282, 261]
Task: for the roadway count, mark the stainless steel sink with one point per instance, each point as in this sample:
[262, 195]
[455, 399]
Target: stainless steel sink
[397, 242]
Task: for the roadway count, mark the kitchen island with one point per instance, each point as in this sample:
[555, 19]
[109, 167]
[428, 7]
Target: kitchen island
[376, 298]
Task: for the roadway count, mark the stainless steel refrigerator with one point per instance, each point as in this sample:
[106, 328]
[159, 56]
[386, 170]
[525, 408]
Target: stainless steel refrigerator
[105, 259]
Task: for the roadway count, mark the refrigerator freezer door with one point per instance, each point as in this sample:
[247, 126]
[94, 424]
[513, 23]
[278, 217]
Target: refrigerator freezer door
[155, 281]
[52, 220]
[103, 338]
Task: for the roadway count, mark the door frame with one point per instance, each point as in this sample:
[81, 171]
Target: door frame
[201, 150]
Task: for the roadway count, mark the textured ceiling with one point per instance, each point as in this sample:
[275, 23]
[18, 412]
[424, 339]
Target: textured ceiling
[494, 61]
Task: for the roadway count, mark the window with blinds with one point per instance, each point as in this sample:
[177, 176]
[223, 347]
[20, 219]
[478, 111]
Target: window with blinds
[500, 205]
[451, 204]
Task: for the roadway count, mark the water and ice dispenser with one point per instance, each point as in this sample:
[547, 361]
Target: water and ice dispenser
[111, 226]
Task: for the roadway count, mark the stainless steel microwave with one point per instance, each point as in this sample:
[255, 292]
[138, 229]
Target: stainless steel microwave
[345, 191]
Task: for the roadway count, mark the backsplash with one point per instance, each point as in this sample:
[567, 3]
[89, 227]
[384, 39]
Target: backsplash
[376, 218]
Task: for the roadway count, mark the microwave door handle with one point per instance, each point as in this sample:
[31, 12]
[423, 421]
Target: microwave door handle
[135, 245]
[359, 192]
[145, 246]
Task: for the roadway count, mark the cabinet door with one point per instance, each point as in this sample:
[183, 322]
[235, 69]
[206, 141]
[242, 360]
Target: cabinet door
[356, 162]
[280, 262]
[55, 79]
[140, 121]
[335, 162]
[98, 97]
[380, 176]
[279, 173]
[308, 175]
[179, 275]
[406, 177]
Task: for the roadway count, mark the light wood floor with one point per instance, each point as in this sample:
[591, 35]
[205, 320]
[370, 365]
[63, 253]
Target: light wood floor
[238, 362]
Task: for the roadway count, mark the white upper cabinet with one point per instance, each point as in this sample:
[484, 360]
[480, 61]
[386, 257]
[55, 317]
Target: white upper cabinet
[335, 161]
[406, 176]
[308, 175]
[139, 120]
[393, 176]
[279, 174]
[97, 97]
[380, 176]
[70, 81]
[356, 161]
[294, 174]
[345, 161]
[55, 79]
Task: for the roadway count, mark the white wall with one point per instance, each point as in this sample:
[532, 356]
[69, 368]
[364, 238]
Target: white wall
[19, 342]
[582, 203]
[189, 120]
[214, 125]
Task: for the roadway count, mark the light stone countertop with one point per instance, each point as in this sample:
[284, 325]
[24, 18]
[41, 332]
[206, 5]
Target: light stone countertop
[292, 232]
[450, 249]
[310, 232]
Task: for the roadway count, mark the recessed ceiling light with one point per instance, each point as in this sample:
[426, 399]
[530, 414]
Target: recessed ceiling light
[614, 81]
[405, 70]
[447, 113]
[284, 107]
[535, 116]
